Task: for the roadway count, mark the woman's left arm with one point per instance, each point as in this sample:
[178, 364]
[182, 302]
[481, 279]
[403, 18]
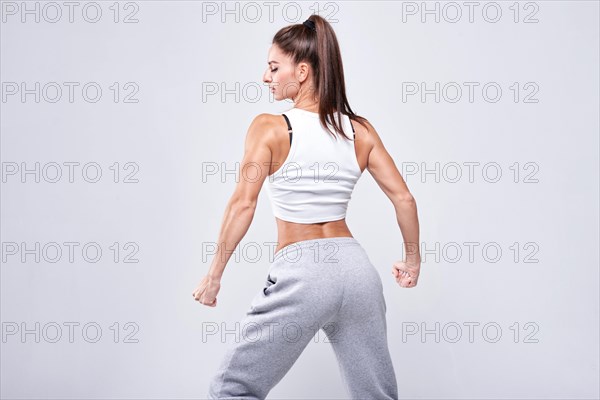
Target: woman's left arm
[239, 211]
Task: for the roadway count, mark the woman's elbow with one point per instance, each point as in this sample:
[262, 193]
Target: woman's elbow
[243, 206]
[404, 199]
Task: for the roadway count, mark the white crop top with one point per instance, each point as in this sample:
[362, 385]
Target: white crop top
[316, 180]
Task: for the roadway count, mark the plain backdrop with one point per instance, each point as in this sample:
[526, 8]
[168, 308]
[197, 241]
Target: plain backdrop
[505, 177]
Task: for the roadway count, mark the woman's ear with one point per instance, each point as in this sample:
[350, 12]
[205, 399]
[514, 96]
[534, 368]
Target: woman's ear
[302, 72]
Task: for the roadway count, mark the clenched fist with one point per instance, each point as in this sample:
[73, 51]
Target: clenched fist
[406, 273]
[206, 291]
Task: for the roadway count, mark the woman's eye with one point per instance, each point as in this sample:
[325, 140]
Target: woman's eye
[273, 70]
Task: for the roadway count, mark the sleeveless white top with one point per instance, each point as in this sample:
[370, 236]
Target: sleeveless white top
[316, 180]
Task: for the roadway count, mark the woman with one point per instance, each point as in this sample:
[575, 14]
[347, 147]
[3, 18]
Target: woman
[321, 277]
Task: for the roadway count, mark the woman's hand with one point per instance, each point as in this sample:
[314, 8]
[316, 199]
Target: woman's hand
[207, 290]
[406, 273]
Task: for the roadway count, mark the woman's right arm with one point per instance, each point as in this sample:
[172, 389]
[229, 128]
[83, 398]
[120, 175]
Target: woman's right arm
[383, 169]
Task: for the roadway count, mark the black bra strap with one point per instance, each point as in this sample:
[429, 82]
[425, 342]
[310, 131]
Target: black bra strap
[287, 120]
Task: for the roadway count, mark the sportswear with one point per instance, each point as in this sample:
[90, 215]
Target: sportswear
[316, 180]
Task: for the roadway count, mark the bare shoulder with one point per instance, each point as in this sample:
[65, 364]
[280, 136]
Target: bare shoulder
[265, 121]
[367, 132]
[381, 165]
[366, 135]
[265, 118]
[265, 126]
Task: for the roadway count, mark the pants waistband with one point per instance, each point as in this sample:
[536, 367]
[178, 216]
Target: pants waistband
[302, 244]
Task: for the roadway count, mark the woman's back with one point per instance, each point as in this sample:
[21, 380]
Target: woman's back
[309, 207]
[315, 182]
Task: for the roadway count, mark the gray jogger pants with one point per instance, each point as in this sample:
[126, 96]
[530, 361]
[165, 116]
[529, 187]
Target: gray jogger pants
[325, 283]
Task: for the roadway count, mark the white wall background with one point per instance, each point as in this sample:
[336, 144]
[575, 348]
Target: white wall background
[541, 290]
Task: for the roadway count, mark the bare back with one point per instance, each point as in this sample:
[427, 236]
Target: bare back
[290, 232]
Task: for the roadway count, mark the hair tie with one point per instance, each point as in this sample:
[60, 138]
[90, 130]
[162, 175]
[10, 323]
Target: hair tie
[310, 24]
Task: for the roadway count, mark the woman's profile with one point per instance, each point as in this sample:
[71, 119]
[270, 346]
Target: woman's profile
[321, 278]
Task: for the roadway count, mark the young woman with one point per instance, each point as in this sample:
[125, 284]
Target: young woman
[321, 277]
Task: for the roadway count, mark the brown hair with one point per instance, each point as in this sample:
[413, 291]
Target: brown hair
[321, 50]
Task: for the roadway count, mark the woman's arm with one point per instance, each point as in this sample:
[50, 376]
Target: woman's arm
[239, 211]
[383, 169]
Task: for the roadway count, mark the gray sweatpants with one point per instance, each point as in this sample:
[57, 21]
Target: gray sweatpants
[328, 284]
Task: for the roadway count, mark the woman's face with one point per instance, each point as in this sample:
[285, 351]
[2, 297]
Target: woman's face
[283, 77]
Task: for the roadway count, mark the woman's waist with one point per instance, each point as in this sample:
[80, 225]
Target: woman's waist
[291, 232]
[317, 249]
